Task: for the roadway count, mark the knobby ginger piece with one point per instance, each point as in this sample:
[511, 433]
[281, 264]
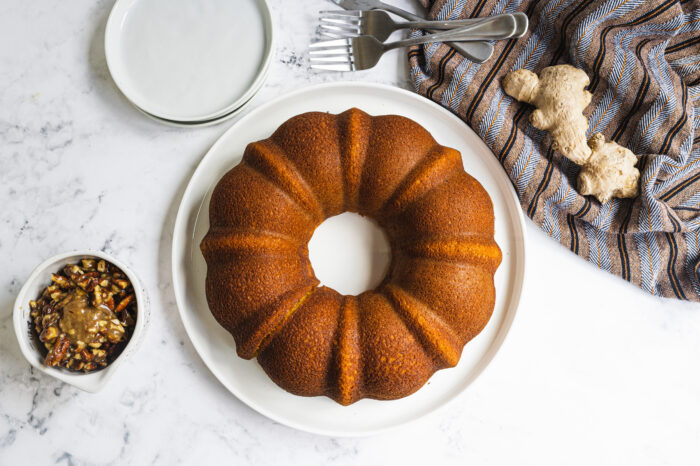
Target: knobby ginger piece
[560, 97]
[609, 172]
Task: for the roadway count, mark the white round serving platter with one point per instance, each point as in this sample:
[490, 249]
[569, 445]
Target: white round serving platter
[246, 379]
[189, 61]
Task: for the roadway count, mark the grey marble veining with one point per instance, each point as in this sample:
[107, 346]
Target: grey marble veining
[593, 372]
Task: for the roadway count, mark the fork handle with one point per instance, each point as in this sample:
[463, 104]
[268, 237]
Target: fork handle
[438, 38]
[492, 28]
[477, 52]
[434, 25]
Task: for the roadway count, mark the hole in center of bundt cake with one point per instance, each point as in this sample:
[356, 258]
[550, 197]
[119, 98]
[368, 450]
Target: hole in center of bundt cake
[350, 253]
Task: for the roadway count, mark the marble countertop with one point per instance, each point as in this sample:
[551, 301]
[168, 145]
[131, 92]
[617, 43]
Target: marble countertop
[594, 371]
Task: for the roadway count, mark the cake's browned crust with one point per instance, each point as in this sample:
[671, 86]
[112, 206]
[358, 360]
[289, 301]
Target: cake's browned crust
[312, 144]
[384, 343]
[299, 355]
[353, 128]
[234, 207]
[462, 295]
[394, 362]
[397, 146]
[346, 370]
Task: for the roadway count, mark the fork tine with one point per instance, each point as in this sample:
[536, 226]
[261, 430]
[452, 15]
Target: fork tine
[335, 22]
[345, 67]
[341, 44]
[324, 44]
[328, 27]
[341, 19]
[351, 13]
[330, 53]
[349, 64]
[333, 51]
[346, 58]
[333, 35]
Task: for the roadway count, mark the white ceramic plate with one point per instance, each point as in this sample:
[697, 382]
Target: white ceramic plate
[246, 379]
[184, 60]
[209, 122]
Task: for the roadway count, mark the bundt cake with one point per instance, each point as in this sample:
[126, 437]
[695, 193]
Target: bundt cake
[311, 340]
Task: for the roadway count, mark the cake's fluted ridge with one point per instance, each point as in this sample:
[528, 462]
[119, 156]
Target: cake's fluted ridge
[347, 354]
[354, 127]
[439, 339]
[268, 158]
[436, 168]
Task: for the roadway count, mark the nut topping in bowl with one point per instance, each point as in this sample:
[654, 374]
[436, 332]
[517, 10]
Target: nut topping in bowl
[85, 317]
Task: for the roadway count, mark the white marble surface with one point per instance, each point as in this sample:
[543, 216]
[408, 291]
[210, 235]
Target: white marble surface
[594, 371]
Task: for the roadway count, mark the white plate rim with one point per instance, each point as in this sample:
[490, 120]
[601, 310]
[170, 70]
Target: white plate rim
[111, 38]
[180, 233]
[203, 123]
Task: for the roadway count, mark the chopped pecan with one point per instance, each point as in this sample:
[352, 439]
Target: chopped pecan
[59, 351]
[88, 264]
[121, 283]
[49, 333]
[123, 303]
[60, 280]
[109, 302]
[49, 320]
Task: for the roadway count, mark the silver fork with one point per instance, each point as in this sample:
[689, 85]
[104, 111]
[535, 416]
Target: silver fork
[339, 24]
[363, 52]
[477, 52]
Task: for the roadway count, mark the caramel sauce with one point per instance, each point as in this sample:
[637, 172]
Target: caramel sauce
[81, 320]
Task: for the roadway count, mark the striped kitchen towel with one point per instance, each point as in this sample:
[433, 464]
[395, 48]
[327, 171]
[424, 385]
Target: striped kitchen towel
[643, 59]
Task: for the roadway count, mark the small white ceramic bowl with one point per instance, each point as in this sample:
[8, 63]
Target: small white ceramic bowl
[37, 281]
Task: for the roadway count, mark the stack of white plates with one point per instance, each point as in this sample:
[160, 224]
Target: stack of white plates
[189, 62]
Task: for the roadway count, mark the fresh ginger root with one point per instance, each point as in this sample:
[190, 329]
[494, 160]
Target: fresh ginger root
[560, 97]
[609, 172]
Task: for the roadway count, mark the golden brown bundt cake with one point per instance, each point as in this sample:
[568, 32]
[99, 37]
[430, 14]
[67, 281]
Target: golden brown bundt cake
[311, 340]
